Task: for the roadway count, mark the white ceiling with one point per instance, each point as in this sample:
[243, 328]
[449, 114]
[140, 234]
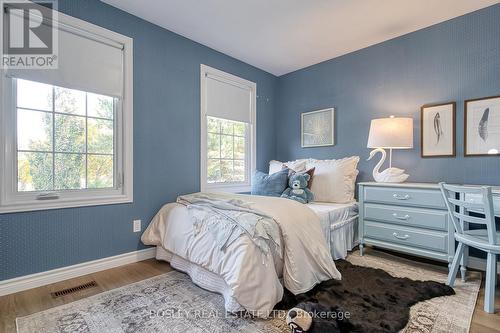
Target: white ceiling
[280, 36]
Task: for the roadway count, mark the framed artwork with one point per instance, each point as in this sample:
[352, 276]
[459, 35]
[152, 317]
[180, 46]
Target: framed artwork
[317, 128]
[437, 126]
[482, 126]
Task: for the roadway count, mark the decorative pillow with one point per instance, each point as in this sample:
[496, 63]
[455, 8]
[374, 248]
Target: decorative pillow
[334, 180]
[297, 166]
[269, 185]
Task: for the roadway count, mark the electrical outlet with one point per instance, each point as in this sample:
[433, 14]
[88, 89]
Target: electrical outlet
[137, 225]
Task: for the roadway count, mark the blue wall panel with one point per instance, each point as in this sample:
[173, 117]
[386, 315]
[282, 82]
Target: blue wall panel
[166, 148]
[451, 61]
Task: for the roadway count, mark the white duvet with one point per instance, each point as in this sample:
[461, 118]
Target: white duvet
[253, 277]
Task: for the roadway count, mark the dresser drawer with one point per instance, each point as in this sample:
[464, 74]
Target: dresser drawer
[425, 239]
[407, 216]
[405, 197]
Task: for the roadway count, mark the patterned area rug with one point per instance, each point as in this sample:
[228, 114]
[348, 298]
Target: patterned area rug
[172, 303]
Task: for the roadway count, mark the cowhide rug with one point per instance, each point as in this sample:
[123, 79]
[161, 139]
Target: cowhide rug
[365, 300]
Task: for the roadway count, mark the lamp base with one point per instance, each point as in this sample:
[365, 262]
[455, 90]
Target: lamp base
[390, 175]
[386, 177]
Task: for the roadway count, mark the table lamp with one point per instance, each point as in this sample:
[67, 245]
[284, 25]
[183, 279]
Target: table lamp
[389, 133]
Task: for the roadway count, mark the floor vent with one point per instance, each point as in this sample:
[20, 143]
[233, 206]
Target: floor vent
[71, 290]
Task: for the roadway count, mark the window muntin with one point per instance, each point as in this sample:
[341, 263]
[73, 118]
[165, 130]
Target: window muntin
[65, 138]
[227, 151]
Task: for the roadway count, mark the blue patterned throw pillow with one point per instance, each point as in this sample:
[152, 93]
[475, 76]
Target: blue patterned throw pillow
[269, 185]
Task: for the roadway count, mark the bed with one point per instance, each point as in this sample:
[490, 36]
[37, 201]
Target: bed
[292, 245]
[339, 223]
[293, 254]
[172, 233]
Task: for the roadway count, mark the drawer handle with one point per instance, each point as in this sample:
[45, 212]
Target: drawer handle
[400, 237]
[396, 216]
[401, 197]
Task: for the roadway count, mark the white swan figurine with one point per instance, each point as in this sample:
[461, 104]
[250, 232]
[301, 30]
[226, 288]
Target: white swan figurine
[389, 175]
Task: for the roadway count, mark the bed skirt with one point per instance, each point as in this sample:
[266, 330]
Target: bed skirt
[202, 277]
[343, 237]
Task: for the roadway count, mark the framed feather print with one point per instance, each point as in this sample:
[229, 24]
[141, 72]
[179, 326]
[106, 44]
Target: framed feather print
[482, 126]
[437, 125]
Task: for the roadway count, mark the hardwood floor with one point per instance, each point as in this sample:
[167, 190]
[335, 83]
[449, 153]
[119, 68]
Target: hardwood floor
[483, 322]
[39, 299]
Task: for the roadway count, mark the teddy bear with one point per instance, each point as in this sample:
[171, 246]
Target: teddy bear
[297, 188]
[312, 317]
[298, 320]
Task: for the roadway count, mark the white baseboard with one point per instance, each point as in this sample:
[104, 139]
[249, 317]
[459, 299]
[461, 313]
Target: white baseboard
[43, 278]
[480, 264]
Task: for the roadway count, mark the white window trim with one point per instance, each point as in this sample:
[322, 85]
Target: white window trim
[13, 201]
[236, 186]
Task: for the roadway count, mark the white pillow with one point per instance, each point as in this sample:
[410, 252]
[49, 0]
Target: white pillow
[297, 166]
[334, 180]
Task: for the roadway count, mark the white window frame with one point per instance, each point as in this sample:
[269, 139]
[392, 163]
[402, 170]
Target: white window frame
[250, 159]
[11, 200]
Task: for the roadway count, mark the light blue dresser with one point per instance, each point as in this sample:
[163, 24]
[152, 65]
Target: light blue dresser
[407, 217]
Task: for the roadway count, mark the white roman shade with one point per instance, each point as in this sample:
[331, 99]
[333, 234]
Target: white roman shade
[86, 61]
[228, 100]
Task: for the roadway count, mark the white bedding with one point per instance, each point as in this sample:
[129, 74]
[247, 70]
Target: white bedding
[340, 227]
[254, 279]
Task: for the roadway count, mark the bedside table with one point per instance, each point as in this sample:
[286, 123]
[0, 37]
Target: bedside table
[406, 217]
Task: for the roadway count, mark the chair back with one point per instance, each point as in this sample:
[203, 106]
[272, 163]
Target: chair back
[456, 200]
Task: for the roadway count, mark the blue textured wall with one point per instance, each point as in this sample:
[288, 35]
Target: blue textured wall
[455, 60]
[166, 148]
[452, 61]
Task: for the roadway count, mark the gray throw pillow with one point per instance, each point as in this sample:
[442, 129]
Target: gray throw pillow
[269, 185]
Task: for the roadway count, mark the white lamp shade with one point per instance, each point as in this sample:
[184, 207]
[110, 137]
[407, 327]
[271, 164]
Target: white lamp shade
[395, 133]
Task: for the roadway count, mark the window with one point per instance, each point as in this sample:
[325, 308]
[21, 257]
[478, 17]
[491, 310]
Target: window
[227, 131]
[67, 133]
[65, 138]
[227, 141]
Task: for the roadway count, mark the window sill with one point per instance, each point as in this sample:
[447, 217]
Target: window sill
[227, 188]
[28, 206]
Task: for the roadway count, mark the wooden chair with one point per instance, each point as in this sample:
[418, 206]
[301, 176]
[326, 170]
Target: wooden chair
[487, 240]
